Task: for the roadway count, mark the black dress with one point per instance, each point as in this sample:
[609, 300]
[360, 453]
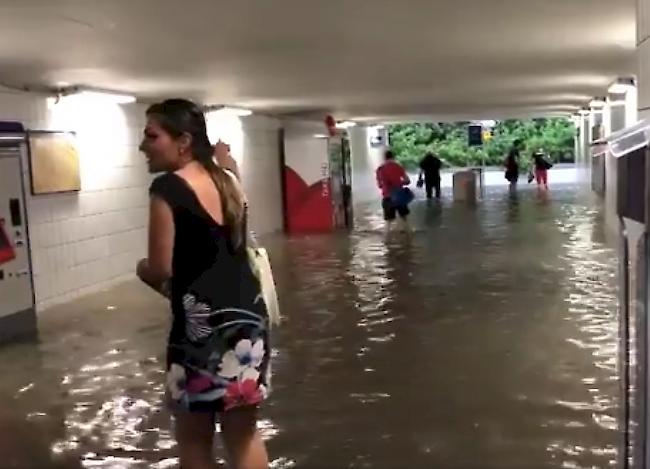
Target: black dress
[218, 349]
[512, 166]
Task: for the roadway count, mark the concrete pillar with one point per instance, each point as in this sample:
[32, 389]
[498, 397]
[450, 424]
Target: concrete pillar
[643, 54]
[621, 110]
[631, 106]
[585, 136]
[583, 154]
[596, 124]
[616, 117]
[367, 146]
[607, 119]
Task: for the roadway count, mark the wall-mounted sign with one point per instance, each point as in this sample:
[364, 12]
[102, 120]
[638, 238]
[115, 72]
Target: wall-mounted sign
[53, 162]
[475, 135]
[377, 140]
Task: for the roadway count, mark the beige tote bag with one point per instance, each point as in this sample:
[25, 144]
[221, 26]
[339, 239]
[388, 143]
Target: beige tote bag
[262, 268]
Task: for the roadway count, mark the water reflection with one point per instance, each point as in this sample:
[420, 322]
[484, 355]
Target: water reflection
[485, 339]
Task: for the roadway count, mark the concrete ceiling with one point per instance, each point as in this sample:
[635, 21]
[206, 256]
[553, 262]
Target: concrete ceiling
[370, 60]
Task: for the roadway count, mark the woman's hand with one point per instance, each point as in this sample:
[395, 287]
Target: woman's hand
[144, 273]
[224, 158]
[141, 269]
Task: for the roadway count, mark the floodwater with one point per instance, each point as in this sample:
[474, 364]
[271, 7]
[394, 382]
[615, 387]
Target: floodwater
[487, 339]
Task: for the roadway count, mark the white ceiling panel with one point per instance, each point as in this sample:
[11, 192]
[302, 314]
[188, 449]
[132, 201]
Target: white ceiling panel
[360, 59]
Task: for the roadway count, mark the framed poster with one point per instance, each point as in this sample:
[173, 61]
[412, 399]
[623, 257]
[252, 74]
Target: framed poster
[53, 162]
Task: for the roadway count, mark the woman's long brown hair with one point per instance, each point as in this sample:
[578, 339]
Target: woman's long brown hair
[180, 116]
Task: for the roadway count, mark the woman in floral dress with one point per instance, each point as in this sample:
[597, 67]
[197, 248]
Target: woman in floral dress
[218, 351]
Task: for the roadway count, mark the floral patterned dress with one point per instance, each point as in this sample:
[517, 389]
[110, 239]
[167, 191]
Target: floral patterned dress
[218, 351]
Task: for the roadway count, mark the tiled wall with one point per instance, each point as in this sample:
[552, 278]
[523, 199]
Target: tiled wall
[85, 241]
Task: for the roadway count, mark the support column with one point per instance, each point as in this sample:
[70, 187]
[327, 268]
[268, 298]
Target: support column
[583, 154]
[631, 106]
[367, 147]
[616, 115]
[643, 54]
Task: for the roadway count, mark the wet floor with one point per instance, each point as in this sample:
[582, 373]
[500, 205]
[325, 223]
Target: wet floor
[487, 339]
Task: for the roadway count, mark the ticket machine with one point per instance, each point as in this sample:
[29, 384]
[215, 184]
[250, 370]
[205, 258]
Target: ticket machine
[17, 305]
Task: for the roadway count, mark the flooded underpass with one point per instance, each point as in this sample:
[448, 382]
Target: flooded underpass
[486, 339]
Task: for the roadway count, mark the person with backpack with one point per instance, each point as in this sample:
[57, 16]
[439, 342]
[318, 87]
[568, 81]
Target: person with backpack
[541, 166]
[392, 180]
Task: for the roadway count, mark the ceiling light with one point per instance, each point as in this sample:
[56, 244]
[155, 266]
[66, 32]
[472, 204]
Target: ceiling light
[597, 103]
[228, 110]
[618, 88]
[98, 96]
[345, 124]
[621, 86]
[320, 136]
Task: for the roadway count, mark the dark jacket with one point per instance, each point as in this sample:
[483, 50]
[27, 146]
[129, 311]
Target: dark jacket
[430, 166]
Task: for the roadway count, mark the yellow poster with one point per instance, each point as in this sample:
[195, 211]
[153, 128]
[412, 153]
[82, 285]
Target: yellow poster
[54, 162]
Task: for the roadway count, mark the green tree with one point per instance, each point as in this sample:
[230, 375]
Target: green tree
[449, 141]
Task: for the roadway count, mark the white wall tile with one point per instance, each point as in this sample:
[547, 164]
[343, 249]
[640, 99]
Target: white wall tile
[64, 206]
[90, 250]
[39, 210]
[39, 264]
[91, 203]
[84, 241]
[69, 233]
[43, 286]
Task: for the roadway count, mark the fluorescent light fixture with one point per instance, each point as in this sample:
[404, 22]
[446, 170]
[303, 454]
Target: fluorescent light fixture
[597, 103]
[621, 86]
[229, 110]
[320, 136]
[345, 124]
[618, 88]
[98, 96]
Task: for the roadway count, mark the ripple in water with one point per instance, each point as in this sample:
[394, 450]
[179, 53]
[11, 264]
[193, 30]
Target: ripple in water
[485, 339]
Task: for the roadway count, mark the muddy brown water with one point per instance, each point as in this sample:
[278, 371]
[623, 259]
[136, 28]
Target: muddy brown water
[486, 339]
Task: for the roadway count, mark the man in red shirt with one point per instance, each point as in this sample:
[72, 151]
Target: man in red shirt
[390, 177]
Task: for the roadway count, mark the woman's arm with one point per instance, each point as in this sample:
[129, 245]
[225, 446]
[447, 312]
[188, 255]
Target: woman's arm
[224, 158]
[156, 269]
